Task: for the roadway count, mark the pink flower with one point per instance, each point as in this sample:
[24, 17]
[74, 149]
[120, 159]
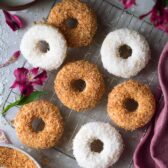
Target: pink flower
[128, 3]
[158, 15]
[11, 60]
[26, 79]
[16, 55]
[13, 21]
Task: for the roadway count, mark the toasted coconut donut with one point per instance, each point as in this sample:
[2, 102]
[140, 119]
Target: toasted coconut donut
[131, 105]
[53, 125]
[85, 26]
[125, 53]
[79, 85]
[97, 145]
[44, 46]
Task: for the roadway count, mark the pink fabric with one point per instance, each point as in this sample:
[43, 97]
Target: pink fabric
[152, 151]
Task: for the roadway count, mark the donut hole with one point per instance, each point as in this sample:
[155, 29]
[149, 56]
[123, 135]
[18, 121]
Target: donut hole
[38, 125]
[43, 46]
[125, 51]
[79, 85]
[131, 105]
[71, 23]
[96, 146]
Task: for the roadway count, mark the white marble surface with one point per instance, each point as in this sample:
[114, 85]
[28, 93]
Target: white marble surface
[109, 18]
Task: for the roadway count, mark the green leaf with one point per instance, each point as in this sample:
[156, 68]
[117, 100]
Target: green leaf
[32, 97]
[166, 2]
[24, 100]
[11, 105]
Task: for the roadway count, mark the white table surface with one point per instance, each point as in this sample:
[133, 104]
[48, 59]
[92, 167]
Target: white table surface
[9, 42]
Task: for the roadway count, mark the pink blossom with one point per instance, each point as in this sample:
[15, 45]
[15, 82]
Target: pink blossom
[11, 60]
[16, 55]
[128, 3]
[158, 15]
[13, 21]
[26, 79]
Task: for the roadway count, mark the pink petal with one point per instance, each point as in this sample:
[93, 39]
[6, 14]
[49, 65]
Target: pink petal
[144, 15]
[160, 19]
[11, 60]
[40, 78]
[158, 16]
[22, 81]
[25, 82]
[128, 3]
[16, 55]
[14, 85]
[21, 74]
[34, 71]
[163, 27]
[13, 21]
[26, 90]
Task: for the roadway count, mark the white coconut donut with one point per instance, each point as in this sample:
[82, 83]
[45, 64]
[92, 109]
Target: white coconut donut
[107, 135]
[44, 46]
[136, 56]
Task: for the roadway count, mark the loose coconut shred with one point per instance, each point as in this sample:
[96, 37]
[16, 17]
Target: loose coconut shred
[10, 158]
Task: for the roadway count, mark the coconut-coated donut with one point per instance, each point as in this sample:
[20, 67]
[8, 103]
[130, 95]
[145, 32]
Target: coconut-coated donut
[125, 53]
[112, 145]
[74, 74]
[44, 46]
[133, 93]
[53, 124]
[84, 30]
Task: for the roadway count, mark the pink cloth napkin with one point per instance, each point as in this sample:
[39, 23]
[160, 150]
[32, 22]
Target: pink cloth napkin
[3, 138]
[152, 150]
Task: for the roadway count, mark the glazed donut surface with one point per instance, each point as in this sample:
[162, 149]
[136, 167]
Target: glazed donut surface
[44, 46]
[92, 82]
[125, 53]
[111, 149]
[74, 10]
[121, 95]
[53, 124]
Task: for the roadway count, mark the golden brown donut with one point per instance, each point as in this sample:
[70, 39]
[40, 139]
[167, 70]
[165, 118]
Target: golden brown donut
[53, 128]
[72, 77]
[120, 112]
[83, 32]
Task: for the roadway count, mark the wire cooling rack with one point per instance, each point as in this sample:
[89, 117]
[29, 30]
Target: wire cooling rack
[110, 17]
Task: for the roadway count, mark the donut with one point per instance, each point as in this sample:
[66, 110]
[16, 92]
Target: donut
[131, 105]
[79, 85]
[125, 53]
[75, 20]
[49, 135]
[97, 145]
[44, 46]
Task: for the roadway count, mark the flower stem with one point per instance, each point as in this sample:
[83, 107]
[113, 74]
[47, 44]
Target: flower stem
[8, 107]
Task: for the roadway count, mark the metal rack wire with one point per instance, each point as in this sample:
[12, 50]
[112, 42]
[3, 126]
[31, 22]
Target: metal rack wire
[110, 17]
